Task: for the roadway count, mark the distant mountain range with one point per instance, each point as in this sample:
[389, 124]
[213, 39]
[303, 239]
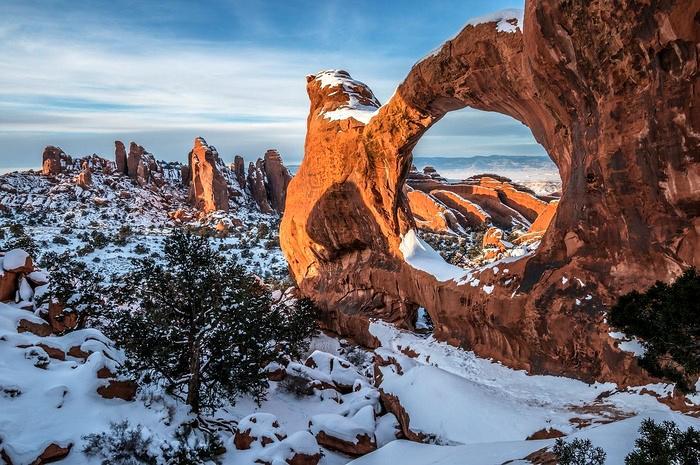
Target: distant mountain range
[518, 168]
[536, 172]
[506, 165]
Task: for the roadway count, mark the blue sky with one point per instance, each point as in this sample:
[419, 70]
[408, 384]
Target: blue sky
[80, 74]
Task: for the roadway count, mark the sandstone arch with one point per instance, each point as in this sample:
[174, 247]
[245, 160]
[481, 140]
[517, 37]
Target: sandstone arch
[609, 89]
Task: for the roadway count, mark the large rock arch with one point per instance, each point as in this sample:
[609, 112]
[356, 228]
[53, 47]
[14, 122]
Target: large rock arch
[610, 89]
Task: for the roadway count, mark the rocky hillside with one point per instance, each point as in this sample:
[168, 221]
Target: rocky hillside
[204, 185]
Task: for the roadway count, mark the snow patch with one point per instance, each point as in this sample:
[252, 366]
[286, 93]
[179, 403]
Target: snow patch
[417, 253]
[503, 20]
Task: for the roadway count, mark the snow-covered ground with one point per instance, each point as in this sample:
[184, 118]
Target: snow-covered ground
[470, 410]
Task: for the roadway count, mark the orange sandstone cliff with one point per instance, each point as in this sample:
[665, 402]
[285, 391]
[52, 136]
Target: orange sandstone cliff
[609, 90]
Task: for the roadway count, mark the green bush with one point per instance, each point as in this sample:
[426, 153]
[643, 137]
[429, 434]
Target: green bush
[667, 320]
[665, 444]
[578, 452]
[125, 444]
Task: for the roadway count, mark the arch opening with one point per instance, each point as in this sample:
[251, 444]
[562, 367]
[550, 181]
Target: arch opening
[481, 189]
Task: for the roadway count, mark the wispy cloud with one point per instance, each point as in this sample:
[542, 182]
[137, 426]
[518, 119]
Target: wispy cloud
[77, 77]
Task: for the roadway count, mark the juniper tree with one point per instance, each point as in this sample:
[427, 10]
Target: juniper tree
[19, 239]
[578, 452]
[202, 324]
[667, 320]
[664, 443]
[75, 286]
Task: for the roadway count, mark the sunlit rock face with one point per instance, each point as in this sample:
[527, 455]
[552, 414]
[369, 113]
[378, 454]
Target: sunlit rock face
[54, 161]
[209, 190]
[609, 90]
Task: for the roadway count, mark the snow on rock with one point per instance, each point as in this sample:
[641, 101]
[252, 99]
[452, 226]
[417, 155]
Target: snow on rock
[361, 105]
[628, 344]
[258, 430]
[413, 453]
[328, 370]
[352, 435]
[454, 397]
[299, 448]
[508, 20]
[453, 410]
[50, 397]
[417, 253]
[388, 429]
[16, 260]
[616, 438]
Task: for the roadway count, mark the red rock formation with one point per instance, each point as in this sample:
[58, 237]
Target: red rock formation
[523, 202]
[208, 187]
[609, 90]
[54, 160]
[492, 242]
[475, 216]
[431, 214]
[53, 453]
[362, 445]
[120, 157]
[61, 320]
[116, 389]
[256, 186]
[84, 179]
[142, 166]
[545, 217]
[8, 286]
[239, 171]
[185, 175]
[134, 159]
[278, 177]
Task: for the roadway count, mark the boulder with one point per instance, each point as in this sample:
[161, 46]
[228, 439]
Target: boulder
[17, 261]
[258, 430]
[628, 213]
[332, 371]
[53, 453]
[8, 286]
[353, 436]
[118, 389]
[25, 325]
[208, 187]
[60, 319]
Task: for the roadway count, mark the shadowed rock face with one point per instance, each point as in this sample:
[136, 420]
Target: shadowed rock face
[208, 187]
[120, 157]
[609, 90]
[256, 186]
[278, 178]
[239, 170]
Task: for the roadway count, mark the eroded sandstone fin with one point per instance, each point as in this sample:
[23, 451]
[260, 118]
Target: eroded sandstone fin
[610, 93]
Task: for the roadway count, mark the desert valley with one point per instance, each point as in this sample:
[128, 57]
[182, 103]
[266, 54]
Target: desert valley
[369, 306]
